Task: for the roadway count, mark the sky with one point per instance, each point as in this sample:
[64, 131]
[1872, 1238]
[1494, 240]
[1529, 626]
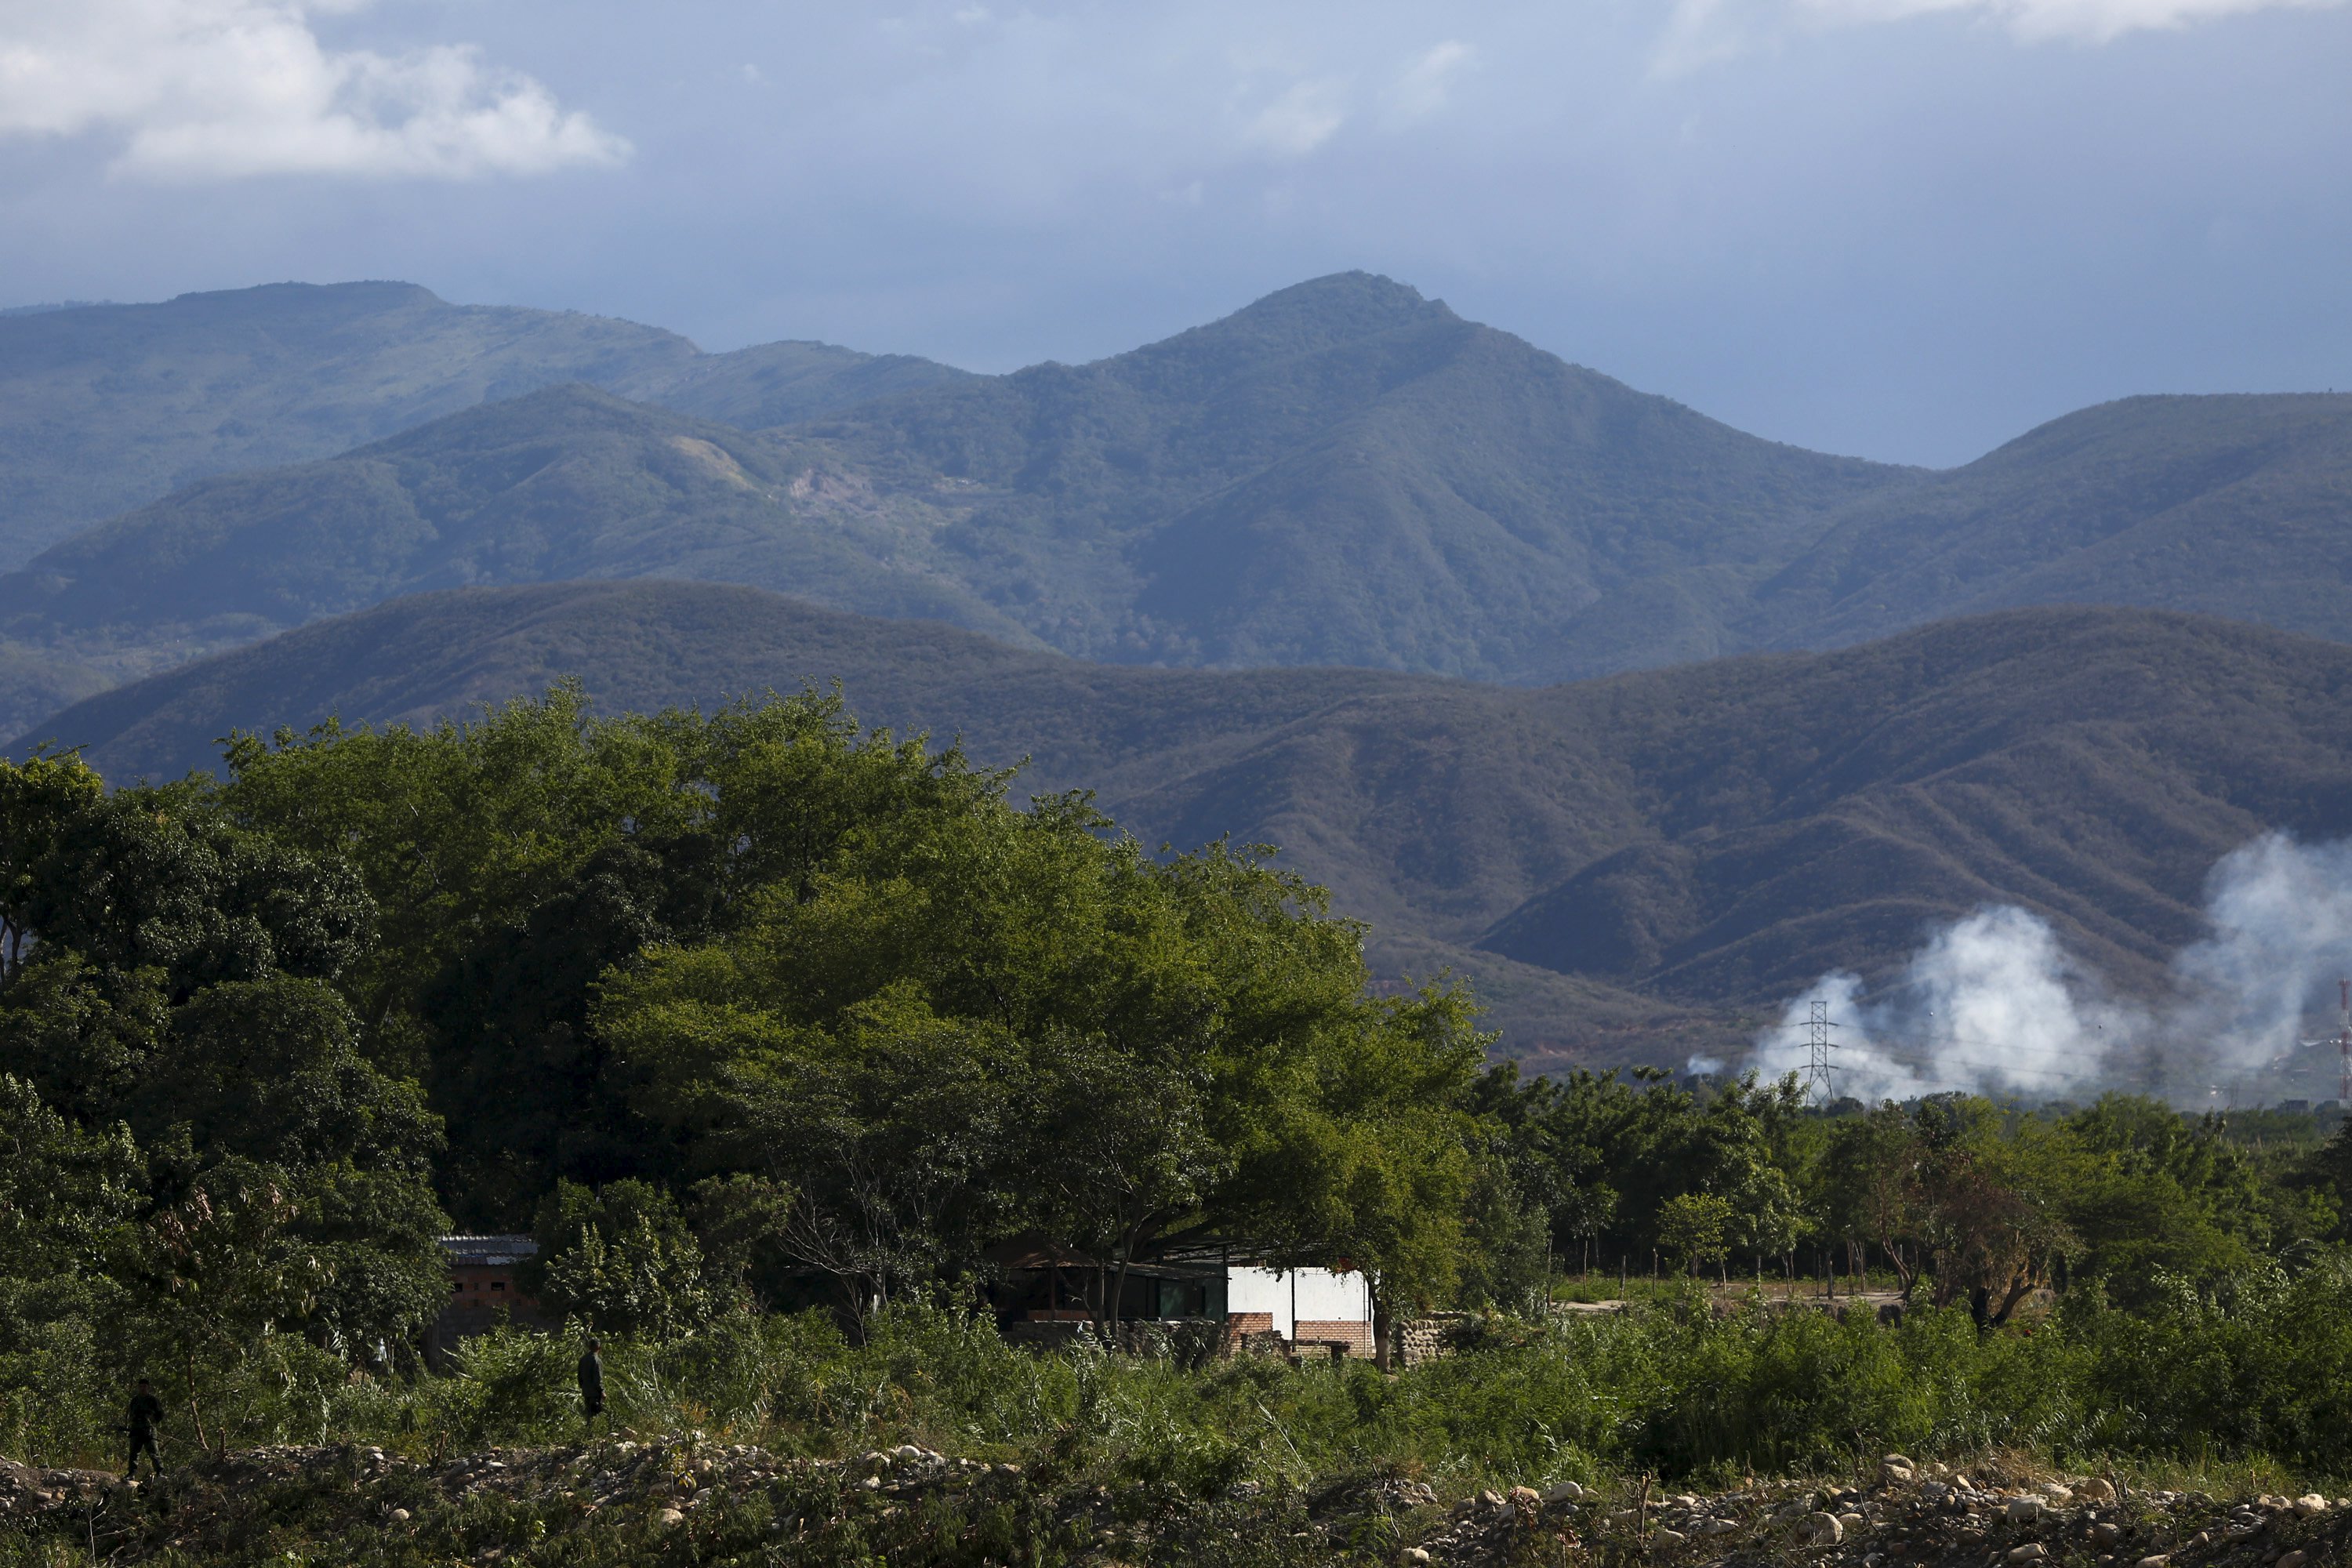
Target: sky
[1905, 230]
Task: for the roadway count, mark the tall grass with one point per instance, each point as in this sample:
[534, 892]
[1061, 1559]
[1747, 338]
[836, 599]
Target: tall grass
[2254, 1376]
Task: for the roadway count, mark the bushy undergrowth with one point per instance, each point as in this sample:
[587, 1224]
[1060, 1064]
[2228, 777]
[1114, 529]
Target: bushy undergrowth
[2256, 1371]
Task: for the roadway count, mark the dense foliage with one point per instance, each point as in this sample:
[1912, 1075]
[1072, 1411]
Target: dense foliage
[777, 1033]
[743, 1004]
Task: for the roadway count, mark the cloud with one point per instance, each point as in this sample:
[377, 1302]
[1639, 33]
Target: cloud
[1701, 32]
[1428, 83]
[2090, 21]
[1306, 115]
[220, 89]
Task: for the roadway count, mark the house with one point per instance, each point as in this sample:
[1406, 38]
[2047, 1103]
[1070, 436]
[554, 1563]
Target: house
[1327, 1307]
[483, 1287]
[1330, 1310]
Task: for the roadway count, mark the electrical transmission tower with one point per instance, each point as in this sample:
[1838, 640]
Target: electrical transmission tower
[1819, 1046]
[2343, 1042]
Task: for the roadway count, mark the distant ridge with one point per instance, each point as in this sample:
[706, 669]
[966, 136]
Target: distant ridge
[1632, 868]
[1289, 484]
[1343, 473]
[105, 407]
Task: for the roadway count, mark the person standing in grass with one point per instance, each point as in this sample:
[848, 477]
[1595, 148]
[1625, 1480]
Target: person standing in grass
[146, 1413]
[592, 1386]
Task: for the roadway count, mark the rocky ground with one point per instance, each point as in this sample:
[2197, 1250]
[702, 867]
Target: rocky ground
[711, 1503]
[1911, 1517]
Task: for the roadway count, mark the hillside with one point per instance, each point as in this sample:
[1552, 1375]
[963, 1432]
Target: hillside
[2237, 506]
[564, 483]
[1347, 473]
[1342, 473]
[106, 407]
[782, 384]
[1638, 865]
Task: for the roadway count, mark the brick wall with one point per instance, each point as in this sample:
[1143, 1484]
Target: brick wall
[1354, 1333]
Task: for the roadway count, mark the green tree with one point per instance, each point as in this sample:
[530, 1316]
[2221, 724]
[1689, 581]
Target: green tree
[620, 1259]
[1695, 1229]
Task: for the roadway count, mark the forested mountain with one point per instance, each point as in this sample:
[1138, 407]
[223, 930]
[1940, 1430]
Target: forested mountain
[1347, 473]
[2237, 506]
[568, 482]
[105, 407]
[1343, 473]
[1628, 867]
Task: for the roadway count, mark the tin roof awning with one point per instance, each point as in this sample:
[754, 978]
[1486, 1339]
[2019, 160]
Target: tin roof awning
[488, 1251]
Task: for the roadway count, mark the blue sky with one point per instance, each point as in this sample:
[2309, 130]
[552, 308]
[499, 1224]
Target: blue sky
[1904, 228]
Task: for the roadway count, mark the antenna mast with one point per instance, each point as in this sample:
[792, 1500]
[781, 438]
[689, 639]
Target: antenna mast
[1820, 1046]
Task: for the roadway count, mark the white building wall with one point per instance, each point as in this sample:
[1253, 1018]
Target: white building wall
[1317, 1295]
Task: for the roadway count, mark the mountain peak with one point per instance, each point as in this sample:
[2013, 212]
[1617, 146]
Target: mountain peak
[1306, 317]
[1364, 300]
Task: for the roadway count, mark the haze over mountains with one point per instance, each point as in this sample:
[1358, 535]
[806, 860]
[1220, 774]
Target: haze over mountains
[106, 407]
[1640, 865]
[1382, 529]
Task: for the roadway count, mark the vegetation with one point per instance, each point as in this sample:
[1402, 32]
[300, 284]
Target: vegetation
[776, 1033]
[107, 408]
[1343, 473]
[1638, 869]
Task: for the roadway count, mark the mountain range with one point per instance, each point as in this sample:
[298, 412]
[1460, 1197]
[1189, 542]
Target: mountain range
[1343, 473]
[106, 407]
[1640, 720]
[1640, 867]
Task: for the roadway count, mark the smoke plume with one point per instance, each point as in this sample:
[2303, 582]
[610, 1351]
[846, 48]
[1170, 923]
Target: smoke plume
[1992, 1003]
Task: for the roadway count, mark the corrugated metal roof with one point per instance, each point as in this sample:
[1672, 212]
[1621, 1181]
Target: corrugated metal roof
[487, 1250]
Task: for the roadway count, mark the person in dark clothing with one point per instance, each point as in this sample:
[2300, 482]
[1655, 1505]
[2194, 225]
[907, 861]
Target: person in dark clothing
[592, 1385]
[146, 1413]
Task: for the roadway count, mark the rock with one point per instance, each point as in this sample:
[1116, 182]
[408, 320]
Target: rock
[2096, 1491]
[1526, 1497]
[400, 1516]
[2159, 1561]
[2310, 1504]
[669, 1516]
[2294, 1560]
[1414, 1554]
[2032, 1551]
[1896, 1475]
[1714, 1526]
[2024, 1509]
[1852, 1521]
[1562, 1493]
[1897, 1462]
[1490, 1499]
[2059, 1495]
[2106, 1534]
[1821, 1530]
[1667, 1537]
[908, 1453]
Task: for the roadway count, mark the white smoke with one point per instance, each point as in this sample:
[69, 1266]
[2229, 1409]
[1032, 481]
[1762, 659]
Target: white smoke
[1993, 1004]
